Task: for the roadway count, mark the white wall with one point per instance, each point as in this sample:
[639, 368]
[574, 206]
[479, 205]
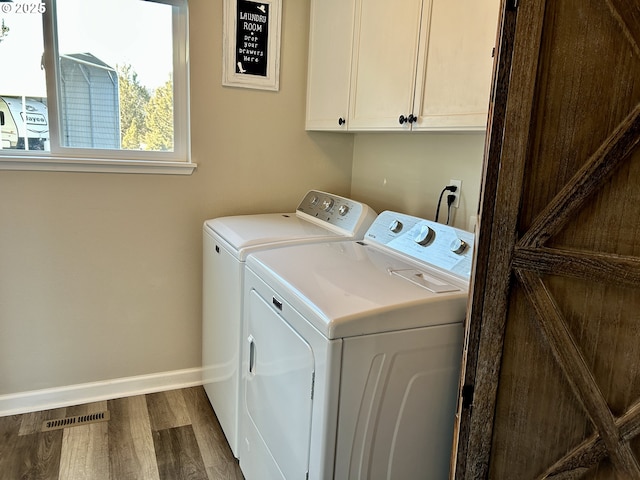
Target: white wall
[406, 172]
[100, 274]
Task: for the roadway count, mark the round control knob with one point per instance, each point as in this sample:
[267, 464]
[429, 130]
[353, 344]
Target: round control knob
[327, 204]
[314, 200]
[458, 246]
[396, 226]
[343, 210]
[425, 236]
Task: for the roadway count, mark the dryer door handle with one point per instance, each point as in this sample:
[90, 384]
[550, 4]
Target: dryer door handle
[252, 355]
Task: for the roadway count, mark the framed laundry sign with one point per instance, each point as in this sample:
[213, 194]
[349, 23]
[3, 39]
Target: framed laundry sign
[251, 55]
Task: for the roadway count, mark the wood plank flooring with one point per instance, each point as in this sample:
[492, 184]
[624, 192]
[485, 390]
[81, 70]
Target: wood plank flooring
[171, 435]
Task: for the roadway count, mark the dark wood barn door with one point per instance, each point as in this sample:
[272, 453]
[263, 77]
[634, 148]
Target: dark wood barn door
[551, 385]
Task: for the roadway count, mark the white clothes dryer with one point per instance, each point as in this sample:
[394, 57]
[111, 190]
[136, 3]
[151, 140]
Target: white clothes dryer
[227, 241]
[352, 354]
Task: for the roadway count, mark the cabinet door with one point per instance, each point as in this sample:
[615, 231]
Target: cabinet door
[385, 63]
[328, 79]
[454, 92]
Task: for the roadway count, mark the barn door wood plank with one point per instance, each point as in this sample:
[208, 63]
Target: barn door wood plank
[496, 233]
[577, 372]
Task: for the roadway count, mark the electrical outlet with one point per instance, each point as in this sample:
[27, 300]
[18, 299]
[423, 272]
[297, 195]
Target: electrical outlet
[457, 183]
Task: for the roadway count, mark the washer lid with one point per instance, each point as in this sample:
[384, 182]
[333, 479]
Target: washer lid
[243, 233]
[350, 288]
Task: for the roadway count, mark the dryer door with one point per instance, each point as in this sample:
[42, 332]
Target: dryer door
[278, 377]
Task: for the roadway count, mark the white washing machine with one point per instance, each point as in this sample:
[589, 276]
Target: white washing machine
[227, 241]
[352, 354]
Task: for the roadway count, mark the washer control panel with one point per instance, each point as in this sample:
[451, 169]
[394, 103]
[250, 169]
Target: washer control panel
[350, 216]
[443, 246]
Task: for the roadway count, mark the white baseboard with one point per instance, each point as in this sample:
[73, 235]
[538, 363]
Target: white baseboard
[36, 400]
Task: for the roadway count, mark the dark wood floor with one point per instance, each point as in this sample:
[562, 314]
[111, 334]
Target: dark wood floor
[172, 435]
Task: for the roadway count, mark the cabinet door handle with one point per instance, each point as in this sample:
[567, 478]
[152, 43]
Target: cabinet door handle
[341, 121]
[410, 119]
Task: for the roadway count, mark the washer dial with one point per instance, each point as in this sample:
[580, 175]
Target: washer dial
[425, 236]
[458, 246]
[396, 226]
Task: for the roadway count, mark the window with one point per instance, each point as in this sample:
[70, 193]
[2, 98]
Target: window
[94, 85]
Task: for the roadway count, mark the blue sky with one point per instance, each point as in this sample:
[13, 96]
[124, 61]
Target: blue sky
[116, 31]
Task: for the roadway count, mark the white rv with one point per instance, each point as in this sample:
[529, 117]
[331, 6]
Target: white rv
[23, 118]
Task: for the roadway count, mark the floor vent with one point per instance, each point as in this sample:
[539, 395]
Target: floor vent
[76, 421]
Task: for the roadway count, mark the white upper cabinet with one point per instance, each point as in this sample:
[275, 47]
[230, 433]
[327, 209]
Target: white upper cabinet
[328, 77]
[400, 65]
[454, 92]
[385, 63]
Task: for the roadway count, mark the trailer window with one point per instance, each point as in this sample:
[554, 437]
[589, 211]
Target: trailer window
[94, 83]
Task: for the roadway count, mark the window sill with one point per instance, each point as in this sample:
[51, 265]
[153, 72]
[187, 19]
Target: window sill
[58, 164]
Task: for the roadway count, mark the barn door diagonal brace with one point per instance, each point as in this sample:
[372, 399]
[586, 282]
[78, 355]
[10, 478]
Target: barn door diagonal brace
[577, 373]
[592, 450]
[611, 154]
[627, 14]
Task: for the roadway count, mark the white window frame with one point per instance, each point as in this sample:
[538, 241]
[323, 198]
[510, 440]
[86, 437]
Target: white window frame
[61, 158]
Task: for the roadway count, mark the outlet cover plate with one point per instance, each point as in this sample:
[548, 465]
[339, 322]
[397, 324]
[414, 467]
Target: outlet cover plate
[457, 183]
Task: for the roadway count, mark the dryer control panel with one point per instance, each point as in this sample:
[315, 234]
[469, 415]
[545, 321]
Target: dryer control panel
[347, 216]
[443, 246]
